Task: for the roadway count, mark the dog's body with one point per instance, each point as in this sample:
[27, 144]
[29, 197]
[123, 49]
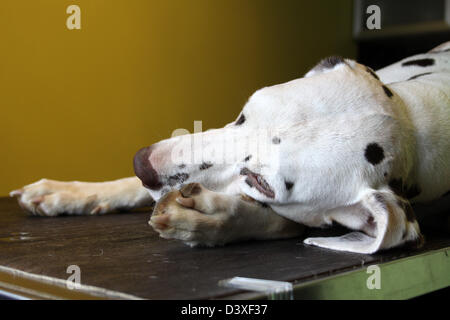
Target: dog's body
[346, 145]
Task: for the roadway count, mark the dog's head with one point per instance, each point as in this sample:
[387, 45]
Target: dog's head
[286, 139]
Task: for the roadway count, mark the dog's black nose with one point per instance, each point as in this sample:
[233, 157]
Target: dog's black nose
[144, 170]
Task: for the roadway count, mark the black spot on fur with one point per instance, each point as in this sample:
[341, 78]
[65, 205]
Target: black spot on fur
[289, 185]
[276, 140]
[400, 189]
[419, 62]
[182, 166]
[241, 120]
[248, 158]
[385, 174]
[177, 178]
[374, 153]
[205, 165]
[369, 70]
[247, 181]
[387, 91]
[420, 75]
[330, 62]
[244, 171]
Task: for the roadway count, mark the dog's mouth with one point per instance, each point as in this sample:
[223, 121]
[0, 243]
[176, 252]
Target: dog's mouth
[255, 180]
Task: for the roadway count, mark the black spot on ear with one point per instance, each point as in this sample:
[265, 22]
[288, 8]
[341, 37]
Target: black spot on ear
[374, 153]
[248, 158]
[289, 185]
[420, 75]
[419, 62]
[369, 70]
[276, 140]
[241, 120]
[205, 165]
[387, 91]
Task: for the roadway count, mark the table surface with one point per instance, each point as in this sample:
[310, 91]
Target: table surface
[121, 252]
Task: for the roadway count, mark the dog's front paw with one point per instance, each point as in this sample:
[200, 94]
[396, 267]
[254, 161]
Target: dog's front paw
[192, 215]
[50, 198]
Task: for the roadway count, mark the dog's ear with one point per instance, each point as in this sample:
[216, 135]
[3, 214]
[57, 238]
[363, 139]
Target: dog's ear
[326, 65]
[391, 219]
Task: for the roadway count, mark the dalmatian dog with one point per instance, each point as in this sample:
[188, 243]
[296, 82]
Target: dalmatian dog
[343, 144]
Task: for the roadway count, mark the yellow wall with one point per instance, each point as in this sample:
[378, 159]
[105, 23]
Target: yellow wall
[77, 104]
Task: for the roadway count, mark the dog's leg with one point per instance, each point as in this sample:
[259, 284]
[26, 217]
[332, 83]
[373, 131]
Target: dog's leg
[198, 216]
[50, 197]
[386, 219]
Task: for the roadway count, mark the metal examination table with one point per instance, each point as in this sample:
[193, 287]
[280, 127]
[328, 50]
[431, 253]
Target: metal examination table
[120, 257]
